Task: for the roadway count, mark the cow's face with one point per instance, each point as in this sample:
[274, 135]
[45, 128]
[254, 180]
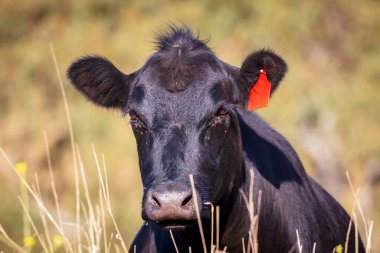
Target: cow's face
[181, 105]
[181, 132]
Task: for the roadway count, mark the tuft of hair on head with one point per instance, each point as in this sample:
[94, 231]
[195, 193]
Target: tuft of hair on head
[179, 54]
[179, 37]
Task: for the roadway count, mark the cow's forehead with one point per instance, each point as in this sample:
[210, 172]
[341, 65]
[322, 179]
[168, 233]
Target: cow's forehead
[164, 78]
[187, 106]
[182, 81]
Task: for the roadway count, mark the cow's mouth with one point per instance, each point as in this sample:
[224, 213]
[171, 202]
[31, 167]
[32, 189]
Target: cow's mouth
[176, 224]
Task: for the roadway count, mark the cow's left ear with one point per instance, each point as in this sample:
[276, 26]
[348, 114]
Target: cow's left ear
[258, 68]
[100, 81]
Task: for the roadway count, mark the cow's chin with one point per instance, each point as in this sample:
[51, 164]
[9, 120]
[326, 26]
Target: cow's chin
[176, 224]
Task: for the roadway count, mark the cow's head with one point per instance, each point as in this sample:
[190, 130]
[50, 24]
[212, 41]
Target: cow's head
[182, 107]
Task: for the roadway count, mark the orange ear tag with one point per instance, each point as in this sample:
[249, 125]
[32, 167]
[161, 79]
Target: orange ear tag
[260, 92]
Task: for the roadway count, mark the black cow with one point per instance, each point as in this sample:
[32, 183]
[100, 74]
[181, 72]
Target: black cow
[187, 112]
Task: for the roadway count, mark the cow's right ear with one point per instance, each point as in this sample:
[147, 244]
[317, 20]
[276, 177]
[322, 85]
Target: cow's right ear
[100, 81]
[263, 63]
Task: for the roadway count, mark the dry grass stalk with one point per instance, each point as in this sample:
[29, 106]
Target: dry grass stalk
[217, 226]
[117, 248]
[36, 232]
[52, 180]
[103, 220]
[299, 244]
[243, 245]
[250, 245]
[91, 216]
[104, 187]
[175, 245]
[368, 225]
[72, 142]
[8, 241]
[94, 214]
[94, 217]
[38, 201]
[37, 189]
[356, 233]
[197, 212]
[46, 230]
[66, 104]
[212, 246]
[254, 218]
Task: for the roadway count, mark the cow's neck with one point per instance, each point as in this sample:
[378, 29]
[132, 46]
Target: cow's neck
[235, 221]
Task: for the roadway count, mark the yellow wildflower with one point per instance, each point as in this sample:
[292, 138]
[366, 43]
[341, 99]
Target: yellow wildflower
[339, 248]
[57, 241]
[21, 167]
[29, 241]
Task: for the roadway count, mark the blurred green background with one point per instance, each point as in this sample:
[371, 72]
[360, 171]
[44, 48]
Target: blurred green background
[328, 106]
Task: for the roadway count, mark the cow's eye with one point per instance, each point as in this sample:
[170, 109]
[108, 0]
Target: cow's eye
[220, 117]
[222, 113]
[135, 120]
[133, 117]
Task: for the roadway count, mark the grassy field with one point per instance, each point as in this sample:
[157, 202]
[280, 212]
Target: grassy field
[327, 107]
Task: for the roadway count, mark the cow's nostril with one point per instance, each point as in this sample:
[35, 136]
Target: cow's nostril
[187, 200]
[155, 201]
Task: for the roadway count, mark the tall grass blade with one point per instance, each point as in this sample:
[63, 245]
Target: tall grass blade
[197, 212]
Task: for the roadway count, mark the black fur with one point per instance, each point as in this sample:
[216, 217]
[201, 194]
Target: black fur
[100, 81]
[179, 57]
[187, 117]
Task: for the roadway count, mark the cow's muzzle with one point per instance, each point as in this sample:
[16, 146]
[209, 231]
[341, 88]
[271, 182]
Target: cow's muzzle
[170, 206]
